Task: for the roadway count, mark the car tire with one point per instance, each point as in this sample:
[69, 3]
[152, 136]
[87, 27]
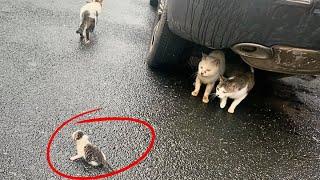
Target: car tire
[165, 47]
[154, 3]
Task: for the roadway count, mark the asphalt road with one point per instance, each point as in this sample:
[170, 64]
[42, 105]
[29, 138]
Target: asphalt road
[46, 77]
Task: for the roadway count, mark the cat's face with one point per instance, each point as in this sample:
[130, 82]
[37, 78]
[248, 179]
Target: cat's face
[208, 66]
[78, 135]
[221, 91]
[225, 87]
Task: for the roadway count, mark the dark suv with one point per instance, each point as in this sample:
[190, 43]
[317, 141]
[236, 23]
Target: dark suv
[274, 35]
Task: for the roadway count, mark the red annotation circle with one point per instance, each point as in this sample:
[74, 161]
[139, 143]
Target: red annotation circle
[96, 120]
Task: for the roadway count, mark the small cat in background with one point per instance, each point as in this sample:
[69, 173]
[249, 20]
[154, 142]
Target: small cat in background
[236, 87]
[91, 153]
[209, 69]
[89, 16]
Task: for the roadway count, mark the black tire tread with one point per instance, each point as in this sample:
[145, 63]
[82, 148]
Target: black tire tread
[169, 47]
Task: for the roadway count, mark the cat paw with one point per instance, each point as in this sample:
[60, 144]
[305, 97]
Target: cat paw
[73, 158]
[205, 99]
[222, 105]
[230, 110]
[194, 93]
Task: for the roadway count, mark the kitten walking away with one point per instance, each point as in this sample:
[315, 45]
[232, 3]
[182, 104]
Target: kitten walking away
[91, 153]
[236, 87]
[88, 18]
[209, 69]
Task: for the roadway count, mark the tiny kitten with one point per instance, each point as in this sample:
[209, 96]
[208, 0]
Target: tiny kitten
[89, 16]
[209, 69]
[236, 87]
[91, 153]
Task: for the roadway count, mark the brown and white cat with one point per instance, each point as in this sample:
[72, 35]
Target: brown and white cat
[91, 153]
[236, 87]
[88, 18]
[209, 69]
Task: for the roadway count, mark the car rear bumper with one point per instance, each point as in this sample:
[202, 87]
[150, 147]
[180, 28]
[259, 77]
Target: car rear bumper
[281, 59]
[282, 25]
[221, 24]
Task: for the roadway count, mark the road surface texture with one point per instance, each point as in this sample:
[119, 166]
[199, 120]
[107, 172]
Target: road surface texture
[47, 76]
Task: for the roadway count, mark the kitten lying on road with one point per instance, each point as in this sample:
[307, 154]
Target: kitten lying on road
[89, 16]
[209, 69]
[236, 87]
[91, 153]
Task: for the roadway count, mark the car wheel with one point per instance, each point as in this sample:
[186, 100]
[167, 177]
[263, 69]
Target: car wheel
[154, 3]
[165, 47]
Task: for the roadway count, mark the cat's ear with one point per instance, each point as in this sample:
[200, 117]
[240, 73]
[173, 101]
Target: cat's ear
[222, 78]
[204, 55]
[214, 61]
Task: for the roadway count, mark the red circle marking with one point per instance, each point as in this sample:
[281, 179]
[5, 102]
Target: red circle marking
[95, 120]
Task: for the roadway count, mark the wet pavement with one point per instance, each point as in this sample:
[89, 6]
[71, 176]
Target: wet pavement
[47, 77]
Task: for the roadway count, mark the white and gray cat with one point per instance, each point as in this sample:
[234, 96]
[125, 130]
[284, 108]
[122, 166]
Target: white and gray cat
[209, 69]
[235, 87]
[88, 18]
[89, 152]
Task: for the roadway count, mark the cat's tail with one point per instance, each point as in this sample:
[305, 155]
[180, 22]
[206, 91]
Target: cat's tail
[85, 16]
[107, 166]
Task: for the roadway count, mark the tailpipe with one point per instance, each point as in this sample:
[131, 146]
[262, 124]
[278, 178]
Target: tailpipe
[253, 50]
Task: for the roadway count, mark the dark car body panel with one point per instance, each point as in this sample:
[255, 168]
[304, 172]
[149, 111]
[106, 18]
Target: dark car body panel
[223, 23]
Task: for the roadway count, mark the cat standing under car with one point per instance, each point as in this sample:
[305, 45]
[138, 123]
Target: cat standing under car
[88, 18]
[209, 69]
[235, 87]
[91, 153]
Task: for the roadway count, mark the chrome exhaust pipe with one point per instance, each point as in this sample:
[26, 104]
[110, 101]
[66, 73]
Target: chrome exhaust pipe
[253, 50]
